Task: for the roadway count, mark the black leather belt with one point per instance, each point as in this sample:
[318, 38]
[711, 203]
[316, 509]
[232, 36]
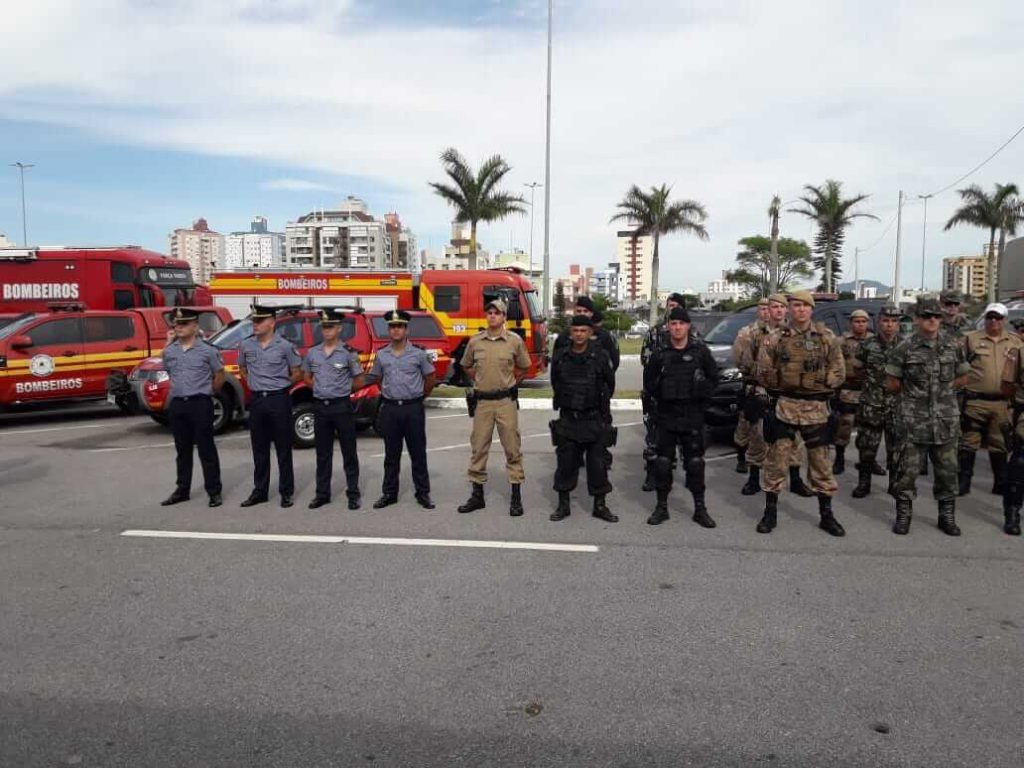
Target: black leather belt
[186, 398]
[981, 396]
[326, 401]
[822, 397]
[497, 394]
[410, 401]
[269, 392]
[565, 413]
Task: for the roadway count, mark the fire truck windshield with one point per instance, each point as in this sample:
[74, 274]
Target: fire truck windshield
[175, 284]
[14, 327]
[536, 313]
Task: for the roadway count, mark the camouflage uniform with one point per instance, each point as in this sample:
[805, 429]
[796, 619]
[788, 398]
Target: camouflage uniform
[748, 436]
[849, 395]
[805, 367]
[1013, 496]
[927, 417]
[957, 329]
[876, 410]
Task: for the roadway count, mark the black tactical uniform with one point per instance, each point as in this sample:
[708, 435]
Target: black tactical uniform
[583, 383]
[680, 381]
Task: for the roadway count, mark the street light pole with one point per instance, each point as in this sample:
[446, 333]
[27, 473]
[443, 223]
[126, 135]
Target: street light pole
[924, 235]
[24, 228]
[896, 287]
[533, 188]
[547, 176]
[773, 267]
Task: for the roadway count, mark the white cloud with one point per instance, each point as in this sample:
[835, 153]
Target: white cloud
[729, 104]
[296, 185]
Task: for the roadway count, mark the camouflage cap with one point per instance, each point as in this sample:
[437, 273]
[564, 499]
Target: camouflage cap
[498, 304]
[928, 308]
[762, 302]
[859, 313]
[803, 296]
[890, 310]
[952, 295]
[778, 298]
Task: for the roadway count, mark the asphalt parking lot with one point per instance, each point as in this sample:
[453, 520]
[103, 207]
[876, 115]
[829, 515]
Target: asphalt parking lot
[394, 638]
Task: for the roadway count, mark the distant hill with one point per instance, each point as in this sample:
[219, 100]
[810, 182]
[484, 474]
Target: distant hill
[881, 288]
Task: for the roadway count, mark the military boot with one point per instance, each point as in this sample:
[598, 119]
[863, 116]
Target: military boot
[771, 510]
[998, 462]
[904, 508]
[660, 513]
[797, 485]
[741, 461]
[700, 511]
[648, 485]
[753, 484]
[828, 523]
[601, 510]
[966, 471]
[562, 511]
[947, 517]
[515, 507]
[839, 464]
[1011, 519]
[876, 469]
[475, 501]
[863, 482]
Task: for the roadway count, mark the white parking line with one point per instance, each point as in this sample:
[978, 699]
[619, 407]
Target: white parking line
[5, 433]
[537, 546]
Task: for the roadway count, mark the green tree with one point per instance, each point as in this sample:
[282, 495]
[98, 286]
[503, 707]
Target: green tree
[652, 213]
[475, 195]
[558, 308]
[991, 212]
[826, 206]
[754, 263]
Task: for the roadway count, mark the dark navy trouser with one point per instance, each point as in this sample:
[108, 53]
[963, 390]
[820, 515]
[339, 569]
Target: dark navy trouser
[270, 421]
[192, 426]
[406, 422]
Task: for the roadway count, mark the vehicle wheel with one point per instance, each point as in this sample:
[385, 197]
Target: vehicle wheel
[160, 419]
[302, 425]
[223, 412]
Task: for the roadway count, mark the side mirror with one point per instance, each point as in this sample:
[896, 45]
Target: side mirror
[21, 342]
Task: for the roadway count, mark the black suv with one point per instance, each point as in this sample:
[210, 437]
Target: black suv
[725, 399]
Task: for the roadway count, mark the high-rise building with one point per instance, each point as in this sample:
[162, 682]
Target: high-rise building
[346, 237]
[605, 282]
[403, 243]
[256, 249]
[201, 247]
[724, 290]
[634, 257]
[967, 274]
[457, 254]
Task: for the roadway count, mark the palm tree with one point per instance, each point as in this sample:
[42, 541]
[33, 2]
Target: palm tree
[832, 213]
[475, 196]
[651, 213]
[991, 212]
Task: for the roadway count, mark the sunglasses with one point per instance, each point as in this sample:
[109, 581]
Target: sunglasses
[951, 303]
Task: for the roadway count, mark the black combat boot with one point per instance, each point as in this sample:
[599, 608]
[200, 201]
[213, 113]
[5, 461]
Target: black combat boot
[475, 501]
[966, 471]
[839, 464]
[863, 482]
[797, 485]
[562, 511]
[947, 517]
[904, 508]
[753, 484]
[601, 510]
[648, 485]
[828, 523]
[1011, 507]
[771, 510]
[515, 506]
[700, 511]
[998, 462]
[741, 461]
[876, 469]
[660, 513]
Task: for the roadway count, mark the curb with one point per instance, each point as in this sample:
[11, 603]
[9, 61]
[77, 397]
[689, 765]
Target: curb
[525, 404]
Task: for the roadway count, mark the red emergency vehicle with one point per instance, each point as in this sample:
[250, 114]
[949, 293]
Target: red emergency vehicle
[455, 297]
[119, 277]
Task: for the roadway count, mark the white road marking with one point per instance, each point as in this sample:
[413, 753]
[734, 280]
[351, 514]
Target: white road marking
[400, 542]
[5, 433]
[446, 416]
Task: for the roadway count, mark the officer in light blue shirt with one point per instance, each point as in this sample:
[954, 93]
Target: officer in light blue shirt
[406, 376]
[333, 371]
[270, 365]
[196, 372]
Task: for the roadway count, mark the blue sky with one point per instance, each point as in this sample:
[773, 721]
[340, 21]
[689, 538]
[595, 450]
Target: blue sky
[142, 116]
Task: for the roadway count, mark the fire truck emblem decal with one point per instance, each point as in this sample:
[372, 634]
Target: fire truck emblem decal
[41, 365]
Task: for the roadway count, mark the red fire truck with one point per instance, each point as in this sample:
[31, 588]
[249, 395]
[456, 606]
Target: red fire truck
[455, 297]
[122, 277]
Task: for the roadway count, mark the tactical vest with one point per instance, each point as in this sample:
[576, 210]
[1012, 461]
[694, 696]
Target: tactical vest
[682, 377]
[802, 361]
[579, 380]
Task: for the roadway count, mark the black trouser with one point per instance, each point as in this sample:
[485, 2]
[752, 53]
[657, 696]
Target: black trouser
[192, 426]
[408, 422]
[689, 437]
[580, 439]
[270, 421]
[330, 418]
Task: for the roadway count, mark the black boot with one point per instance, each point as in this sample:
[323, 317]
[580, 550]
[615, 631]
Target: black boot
[998, 462]
[966, 471]
[700, 511]
[839, 464]
[753, 484]
[601, 510]
[475, 501]
[562, 511]
[660, 513]
[797, 485]
[947, 517]
[771, 510]
[904, 509]
[876, 469]
[828, 523]
[863, 482]
[741, 461]
[515, 506]
[649, 477]
[1011, 519]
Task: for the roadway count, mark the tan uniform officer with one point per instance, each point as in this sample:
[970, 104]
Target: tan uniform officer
[804, 364]
[495, 361]
[985, 418]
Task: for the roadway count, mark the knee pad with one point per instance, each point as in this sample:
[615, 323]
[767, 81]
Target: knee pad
[695, 465]
[663, 466]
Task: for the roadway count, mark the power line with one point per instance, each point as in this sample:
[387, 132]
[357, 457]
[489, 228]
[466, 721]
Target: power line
[981, 165]
[884, 233]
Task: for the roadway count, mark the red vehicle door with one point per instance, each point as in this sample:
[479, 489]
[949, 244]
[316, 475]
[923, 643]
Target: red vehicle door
[50, 366]
[117, 341]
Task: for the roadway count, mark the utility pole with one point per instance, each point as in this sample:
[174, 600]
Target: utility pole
[856, 273]
[924, 235]
[533, 188]
[24, 228]
[896, 290]
[773, 269]
[547, 176]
